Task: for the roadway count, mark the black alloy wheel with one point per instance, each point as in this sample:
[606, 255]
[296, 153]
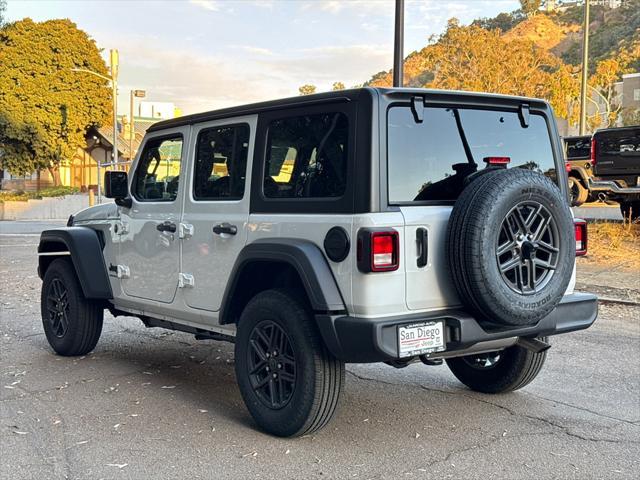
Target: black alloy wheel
[58, 308]
[272, 365]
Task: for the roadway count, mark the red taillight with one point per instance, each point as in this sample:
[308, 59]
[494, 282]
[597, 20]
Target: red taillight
[497, 160]
[378, 250]
[581, 237]
[593, 151]
[567, 167]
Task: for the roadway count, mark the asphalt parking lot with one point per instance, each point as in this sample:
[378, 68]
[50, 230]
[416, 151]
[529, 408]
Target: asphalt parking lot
[149, 403]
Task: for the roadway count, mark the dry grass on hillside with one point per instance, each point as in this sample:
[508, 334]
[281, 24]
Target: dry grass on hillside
[615, 243]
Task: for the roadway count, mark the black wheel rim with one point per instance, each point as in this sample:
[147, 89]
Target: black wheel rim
[58, 308]
[527, 248]
[574, 191]
[271, 364]
[483, 361]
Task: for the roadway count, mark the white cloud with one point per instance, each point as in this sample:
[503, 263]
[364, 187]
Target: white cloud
[257, 50]
[210, 5]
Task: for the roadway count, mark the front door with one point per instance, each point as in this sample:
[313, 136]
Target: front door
[216, 209]
[149, 250]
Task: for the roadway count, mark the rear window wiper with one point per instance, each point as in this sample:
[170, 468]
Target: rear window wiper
[463, 137]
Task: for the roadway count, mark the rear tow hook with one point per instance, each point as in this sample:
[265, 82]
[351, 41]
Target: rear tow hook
[533, 344]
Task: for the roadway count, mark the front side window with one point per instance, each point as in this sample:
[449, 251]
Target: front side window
[307, 156]
[428, 161]
[220, 166]
[158, 174]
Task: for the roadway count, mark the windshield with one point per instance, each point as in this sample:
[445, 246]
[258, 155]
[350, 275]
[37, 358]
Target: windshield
[428, 161]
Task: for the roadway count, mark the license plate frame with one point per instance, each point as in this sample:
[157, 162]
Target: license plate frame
[421, 338]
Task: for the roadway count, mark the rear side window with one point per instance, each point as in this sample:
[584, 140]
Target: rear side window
[307, 156]
[428, 161]
[578, 148]
[220, 166]
[158, 174]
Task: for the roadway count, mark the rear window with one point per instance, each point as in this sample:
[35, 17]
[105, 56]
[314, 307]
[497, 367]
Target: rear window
[578, 148]
[428, 161]
[623, 143]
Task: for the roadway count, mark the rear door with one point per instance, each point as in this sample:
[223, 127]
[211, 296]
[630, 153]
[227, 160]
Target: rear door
[427, 166]
[216, 209]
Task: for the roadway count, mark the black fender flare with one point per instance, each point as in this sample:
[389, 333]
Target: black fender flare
[580, 173]
[85, 249]
[307, 260]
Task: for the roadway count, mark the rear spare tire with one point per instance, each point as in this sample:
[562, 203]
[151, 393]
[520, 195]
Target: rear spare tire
[511, 247]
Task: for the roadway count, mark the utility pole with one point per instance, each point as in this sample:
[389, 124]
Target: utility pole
[114, 85]
[132, 130]
[113, 79]
[398, 46]
[585, 69]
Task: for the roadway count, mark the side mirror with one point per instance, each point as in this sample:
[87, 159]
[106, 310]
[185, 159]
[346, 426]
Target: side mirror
[116, 187]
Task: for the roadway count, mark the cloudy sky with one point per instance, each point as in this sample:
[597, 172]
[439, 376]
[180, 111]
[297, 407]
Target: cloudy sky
[206, 54]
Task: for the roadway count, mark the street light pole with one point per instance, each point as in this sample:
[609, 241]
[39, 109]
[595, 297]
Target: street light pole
[585, 69]
[398, 46]
[132, 130]
[113, 79]
[114, 85]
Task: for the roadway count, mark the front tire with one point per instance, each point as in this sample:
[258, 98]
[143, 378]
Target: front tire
[72, 323]
[498, 372]
[289, 381]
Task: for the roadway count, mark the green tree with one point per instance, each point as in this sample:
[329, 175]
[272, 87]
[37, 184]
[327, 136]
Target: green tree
[338, 86]
[46, 107]
[307, 89]
[530, 7]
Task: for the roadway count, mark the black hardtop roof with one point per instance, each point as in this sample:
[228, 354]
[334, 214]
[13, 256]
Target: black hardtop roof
[327, 97]
[618, 129]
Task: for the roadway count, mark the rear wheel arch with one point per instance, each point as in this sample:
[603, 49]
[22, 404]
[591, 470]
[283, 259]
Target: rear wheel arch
[294, 264]
[581, 175]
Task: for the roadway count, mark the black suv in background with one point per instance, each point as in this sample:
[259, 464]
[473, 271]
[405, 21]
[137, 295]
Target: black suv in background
[615, 157]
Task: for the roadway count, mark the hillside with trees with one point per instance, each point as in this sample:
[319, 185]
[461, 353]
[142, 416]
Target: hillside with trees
[534, 53]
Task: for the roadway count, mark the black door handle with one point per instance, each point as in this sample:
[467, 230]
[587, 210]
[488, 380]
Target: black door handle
[422, 238]
[166, 227]
[225, 228]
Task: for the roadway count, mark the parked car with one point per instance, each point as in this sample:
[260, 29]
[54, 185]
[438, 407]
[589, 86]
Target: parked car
[578, 156]
[367, 225]
[615, 156]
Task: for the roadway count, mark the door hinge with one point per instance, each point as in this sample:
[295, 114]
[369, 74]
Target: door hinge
[122, 271]
[121, 228]
[185, 280]
[185, 230]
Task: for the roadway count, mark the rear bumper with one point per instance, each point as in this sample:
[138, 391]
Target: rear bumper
[366, 340]
[598, 185]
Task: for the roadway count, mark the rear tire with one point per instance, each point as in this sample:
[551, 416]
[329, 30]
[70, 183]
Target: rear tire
[289, 381]
[72, 324]
[578, 192]
[514, 368]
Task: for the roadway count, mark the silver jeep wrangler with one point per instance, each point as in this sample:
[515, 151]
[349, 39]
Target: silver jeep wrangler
[367, 225]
